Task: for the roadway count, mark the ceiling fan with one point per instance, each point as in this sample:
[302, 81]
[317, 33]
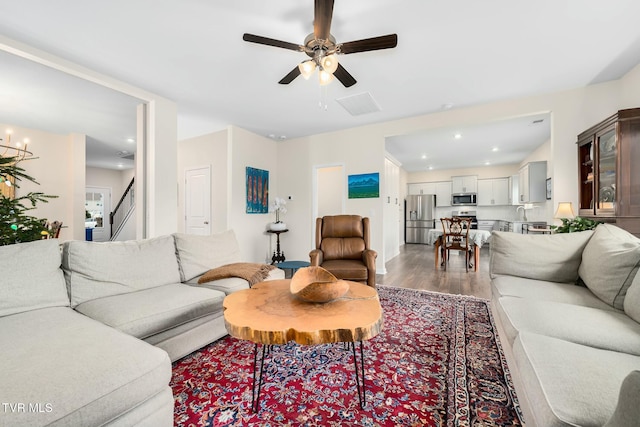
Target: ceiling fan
[322, 48]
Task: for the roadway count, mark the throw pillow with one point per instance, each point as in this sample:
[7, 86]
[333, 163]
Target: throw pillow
[31, 277]
[199, 254]
[553, 258]
[610, 262]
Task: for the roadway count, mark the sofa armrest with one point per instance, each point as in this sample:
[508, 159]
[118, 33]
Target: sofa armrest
[627, 412]
[316, 257]
[369, 258]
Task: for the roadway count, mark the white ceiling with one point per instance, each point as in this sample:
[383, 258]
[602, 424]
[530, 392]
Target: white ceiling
[462, 53]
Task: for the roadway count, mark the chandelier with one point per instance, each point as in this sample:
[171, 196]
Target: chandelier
[16, 151]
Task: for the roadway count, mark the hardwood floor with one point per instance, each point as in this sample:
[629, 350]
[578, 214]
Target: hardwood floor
[414, 269]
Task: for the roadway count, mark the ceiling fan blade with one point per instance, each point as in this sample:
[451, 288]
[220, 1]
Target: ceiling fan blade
[344, 77]
[290, 77]
[271, 42]
[322, 19]
[374, 43]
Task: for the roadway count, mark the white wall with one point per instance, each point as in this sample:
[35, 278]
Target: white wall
[210, 149]
[330, 184]
[248, 149]
[59, 168]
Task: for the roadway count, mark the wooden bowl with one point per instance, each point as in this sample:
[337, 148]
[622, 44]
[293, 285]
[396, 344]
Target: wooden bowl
[315, 284]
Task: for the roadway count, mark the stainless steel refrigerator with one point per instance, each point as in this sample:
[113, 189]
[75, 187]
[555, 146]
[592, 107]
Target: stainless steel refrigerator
[420, 212]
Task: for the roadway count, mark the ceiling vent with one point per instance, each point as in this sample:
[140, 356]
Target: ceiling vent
[124, 154]
[360, 104]
[535, 122]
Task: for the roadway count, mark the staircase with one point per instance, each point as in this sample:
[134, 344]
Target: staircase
[122, 219]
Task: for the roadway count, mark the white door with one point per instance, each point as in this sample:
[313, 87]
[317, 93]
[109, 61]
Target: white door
[197, 200]
[97, 206]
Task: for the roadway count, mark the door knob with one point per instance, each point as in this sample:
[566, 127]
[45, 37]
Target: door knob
[206, 222]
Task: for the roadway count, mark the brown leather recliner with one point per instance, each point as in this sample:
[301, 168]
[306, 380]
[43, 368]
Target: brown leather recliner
[342, 247]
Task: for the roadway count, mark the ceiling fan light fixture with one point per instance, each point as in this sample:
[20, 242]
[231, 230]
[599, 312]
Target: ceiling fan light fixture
[307, 68]
[330, 63]
[325, 77]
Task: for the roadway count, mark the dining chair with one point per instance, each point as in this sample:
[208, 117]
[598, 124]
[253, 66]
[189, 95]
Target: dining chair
[455, 236]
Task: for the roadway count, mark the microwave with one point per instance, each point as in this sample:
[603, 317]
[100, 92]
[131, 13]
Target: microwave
[463, 199]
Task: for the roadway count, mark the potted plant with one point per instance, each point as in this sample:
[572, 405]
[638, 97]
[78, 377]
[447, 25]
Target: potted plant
[571, 225]
[279, 207]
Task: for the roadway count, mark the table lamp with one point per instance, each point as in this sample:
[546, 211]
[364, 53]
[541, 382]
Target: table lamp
[565, 210]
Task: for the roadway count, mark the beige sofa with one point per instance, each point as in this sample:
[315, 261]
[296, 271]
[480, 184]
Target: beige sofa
[96, 348]
[573, 349]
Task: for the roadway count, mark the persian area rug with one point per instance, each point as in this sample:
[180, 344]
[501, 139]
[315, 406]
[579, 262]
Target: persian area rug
[437, 362]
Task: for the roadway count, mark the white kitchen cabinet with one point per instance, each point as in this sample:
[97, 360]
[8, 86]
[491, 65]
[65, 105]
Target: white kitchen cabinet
[486, 224]
[464, 184]
[493, 192]
[443, 193]
[421, 188]
[532, 182]
[514, 194]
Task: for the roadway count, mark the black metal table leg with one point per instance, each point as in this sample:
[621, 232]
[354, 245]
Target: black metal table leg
[362, 396]
[255, 396]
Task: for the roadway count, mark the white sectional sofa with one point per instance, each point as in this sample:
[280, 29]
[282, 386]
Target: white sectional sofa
[96, 348]
[567, 308]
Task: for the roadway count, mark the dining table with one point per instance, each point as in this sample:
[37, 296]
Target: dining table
[477, 238]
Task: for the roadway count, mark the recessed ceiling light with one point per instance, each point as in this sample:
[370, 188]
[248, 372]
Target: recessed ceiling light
[494, 149]
[457, 136]
[424, 156]
[120, 165]
[447, 106]
[430, 167]
[487, 163]
[131, 140]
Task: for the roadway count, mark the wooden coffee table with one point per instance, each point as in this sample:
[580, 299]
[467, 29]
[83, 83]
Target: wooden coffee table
[268, 314]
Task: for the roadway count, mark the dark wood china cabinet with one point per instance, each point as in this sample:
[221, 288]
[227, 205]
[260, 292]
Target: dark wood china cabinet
[609, 171]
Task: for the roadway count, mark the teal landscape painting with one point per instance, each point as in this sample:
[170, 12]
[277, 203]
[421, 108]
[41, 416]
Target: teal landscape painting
[364, 186]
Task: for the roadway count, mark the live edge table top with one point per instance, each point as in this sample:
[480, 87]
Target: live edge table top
[268, 313]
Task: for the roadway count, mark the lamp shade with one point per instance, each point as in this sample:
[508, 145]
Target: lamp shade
[307, 68]
[565, 210]
[330, 63]
[325, 77]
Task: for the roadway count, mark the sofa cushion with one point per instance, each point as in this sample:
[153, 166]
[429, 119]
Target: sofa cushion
[568, 293]
[87, 372]
[96, 270]
[31, 277]
[610, 262]
[347, 269]
[151, 311]
[199, 254]
[606, 329]
[632, 299]
[554, 257]
[568, 383]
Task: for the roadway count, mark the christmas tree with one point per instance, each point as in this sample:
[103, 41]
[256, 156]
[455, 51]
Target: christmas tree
[16, 225]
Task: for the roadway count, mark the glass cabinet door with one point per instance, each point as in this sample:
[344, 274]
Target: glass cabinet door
[586, 170]
[606, 183]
